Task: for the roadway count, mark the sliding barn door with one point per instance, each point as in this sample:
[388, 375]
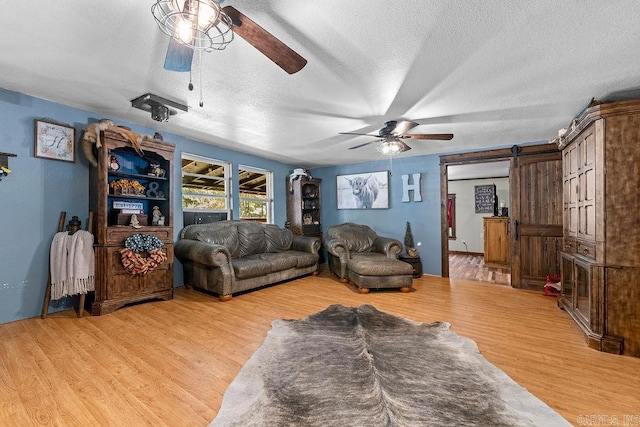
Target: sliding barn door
[536, 216]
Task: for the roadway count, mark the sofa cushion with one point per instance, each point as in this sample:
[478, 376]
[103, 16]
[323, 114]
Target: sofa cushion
[221, 234]
[358, 238]
[374, 264]
[251, 238]
[279, 261]
[303, 259]
[251, 266]
[278, 239]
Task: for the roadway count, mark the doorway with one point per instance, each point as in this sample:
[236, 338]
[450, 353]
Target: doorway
[534, 224]
[466, 222]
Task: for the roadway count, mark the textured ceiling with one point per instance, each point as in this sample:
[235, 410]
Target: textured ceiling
[492, 72]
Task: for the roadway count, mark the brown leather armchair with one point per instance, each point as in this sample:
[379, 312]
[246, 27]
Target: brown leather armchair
[357, 254]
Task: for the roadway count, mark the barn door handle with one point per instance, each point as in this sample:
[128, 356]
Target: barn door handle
[517, 225]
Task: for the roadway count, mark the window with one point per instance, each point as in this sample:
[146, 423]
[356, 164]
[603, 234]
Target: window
[205, 189]
[256, 194]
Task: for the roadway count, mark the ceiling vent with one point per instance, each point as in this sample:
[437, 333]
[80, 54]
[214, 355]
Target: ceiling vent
[160, 108]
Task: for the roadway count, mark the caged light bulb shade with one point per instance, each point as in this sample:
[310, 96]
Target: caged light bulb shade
[389, 148]
[207, 15]
[198, 24]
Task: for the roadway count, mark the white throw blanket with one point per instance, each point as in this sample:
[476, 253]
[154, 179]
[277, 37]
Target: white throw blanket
[72, 264]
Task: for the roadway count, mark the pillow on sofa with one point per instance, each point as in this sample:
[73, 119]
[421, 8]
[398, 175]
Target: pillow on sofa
[278, 239]
[221, 234]
[251, 238]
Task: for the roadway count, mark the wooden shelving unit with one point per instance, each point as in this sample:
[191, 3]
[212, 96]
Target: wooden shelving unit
[115, 286]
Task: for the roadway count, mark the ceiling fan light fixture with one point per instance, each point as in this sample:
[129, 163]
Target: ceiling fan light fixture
[390, 147]
[198, 24]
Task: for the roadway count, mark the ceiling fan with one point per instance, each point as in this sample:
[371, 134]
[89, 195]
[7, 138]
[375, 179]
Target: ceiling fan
[392, 134]
[205, 25]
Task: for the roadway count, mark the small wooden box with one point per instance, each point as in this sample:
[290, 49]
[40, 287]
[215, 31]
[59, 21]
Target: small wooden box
[125, 219]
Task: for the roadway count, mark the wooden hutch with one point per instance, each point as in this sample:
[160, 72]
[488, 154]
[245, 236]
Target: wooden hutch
[151, 173]
[304, 207]
[601, 237]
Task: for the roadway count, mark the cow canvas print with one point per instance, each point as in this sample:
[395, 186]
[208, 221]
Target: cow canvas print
[368, 190]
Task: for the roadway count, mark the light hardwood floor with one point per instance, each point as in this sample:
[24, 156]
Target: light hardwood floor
[169, 363]
[471, 267]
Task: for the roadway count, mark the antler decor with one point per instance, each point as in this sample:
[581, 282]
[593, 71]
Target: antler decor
[92, 136]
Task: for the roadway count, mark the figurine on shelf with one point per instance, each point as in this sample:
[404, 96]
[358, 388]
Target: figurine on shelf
[161, 220]
[134, 221]
[155, 170]
[113, 164]
[158, 136]
[156, 215]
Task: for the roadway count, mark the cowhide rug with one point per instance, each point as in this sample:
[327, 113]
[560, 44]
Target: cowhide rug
[361, 367]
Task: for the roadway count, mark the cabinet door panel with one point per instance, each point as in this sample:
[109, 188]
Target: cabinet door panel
[155, 280]
[114, 261]
[587, 186]
[583, 291]
[567, 278]
[572, 219]
[496, 242]
[122, 285]
[573, 159]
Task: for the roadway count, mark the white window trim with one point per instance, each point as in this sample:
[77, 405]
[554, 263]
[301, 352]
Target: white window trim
[269, 185]
[227, 178]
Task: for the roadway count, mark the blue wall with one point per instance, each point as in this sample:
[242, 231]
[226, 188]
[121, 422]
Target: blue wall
[37, 190]
[423, 216]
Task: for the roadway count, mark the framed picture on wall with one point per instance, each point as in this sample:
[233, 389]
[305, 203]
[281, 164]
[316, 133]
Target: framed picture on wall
[55, 141]
[363, 191]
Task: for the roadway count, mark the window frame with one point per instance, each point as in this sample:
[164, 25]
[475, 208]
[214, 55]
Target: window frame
[227, 178]
[268, 193]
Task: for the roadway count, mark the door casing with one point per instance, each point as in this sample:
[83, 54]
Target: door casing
[512, 154]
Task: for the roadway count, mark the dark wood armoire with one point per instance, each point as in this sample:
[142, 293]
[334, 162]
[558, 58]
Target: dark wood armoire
[601, 208]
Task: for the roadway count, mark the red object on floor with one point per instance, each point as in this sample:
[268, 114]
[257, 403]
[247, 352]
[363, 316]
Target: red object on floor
[553, 286]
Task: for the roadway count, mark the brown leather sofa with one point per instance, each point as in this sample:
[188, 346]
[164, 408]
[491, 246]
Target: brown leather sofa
[227, 257]
[357, 254]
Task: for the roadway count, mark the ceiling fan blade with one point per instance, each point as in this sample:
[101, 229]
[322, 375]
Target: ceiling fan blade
[285, 57]
[403, 127]
[432, 136]
[356, 133]
[179, 56]
[362, 145]
[404, 146]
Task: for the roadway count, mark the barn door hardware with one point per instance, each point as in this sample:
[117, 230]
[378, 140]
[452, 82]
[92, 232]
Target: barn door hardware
[515, 151]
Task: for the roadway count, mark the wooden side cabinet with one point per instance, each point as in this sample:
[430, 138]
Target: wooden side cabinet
[127, 183]
[496, 242]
